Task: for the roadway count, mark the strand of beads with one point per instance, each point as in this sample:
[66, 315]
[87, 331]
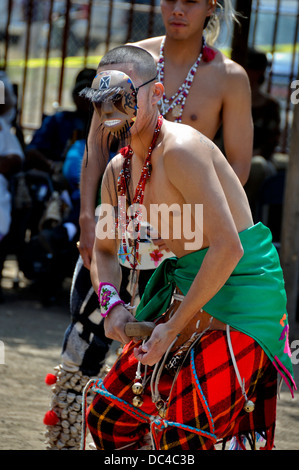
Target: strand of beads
[176, 102]
[123, 181]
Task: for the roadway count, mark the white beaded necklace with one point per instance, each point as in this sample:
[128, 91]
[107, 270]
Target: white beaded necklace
[176, 102]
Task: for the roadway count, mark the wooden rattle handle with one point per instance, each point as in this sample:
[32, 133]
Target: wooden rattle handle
[141, 329]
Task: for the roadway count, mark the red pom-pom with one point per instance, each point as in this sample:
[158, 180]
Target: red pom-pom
[51, 418]
[50, 379]
[208, 54]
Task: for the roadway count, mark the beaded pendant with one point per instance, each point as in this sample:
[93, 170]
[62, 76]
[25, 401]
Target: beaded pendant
[123, 182]
[176, 103]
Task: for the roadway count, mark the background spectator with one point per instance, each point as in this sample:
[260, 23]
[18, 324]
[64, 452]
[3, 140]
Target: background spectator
[266, 121]
[11, 157]
[50, 142]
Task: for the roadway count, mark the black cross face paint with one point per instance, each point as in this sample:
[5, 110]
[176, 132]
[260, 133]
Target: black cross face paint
[114, 98]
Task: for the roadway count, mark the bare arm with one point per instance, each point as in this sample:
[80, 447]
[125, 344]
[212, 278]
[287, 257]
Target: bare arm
[93, 168]
[105, 265]
[198, 182]
[237, 123]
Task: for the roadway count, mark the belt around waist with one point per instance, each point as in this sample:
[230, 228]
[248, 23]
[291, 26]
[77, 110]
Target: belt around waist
[200, 321]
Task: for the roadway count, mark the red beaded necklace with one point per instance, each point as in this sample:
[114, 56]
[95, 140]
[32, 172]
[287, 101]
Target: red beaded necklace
[123, 182]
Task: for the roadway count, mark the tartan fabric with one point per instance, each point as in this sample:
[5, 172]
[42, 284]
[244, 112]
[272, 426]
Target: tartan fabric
[206, 403]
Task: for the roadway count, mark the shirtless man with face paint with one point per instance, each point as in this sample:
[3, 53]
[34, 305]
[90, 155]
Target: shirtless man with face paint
[207, 371]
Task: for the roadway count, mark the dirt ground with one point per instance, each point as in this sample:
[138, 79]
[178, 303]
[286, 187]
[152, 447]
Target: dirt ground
[32, 336]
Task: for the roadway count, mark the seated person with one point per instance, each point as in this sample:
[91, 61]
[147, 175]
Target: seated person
[265, 109]
[10, 98]
[11, 157]
[266, 121]
[58, 131]
[71, 171]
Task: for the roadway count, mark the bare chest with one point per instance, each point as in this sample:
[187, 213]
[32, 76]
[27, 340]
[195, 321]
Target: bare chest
[202, 108]
[157, 190]
[162, 204]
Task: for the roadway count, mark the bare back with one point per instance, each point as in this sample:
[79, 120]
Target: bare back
[188, 169]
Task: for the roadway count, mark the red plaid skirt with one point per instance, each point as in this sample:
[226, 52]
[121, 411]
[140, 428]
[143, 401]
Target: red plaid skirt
[205, 405]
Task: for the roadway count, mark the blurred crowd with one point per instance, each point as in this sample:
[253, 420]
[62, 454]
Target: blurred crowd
[39, 190]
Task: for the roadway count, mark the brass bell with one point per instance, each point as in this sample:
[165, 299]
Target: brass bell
[159, 404]
[137, 388]
[249, 406]
[137, 401]
[162, 412]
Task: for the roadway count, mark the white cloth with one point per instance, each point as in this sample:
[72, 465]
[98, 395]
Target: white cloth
[9, 145]
[8, 97]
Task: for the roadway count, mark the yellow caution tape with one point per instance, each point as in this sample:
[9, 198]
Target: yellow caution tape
[74, 62]
[54, 62]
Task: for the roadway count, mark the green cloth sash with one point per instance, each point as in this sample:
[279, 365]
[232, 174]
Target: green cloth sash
[253, 300]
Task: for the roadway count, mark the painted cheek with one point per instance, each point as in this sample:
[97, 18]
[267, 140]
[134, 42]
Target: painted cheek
[97, 108]
[119, 105]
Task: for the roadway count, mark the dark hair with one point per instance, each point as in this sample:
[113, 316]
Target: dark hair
[87, 74]
[83, 79]
[256, 60]
[143, 62]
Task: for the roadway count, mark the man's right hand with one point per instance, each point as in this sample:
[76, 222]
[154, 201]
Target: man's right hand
[115, 321]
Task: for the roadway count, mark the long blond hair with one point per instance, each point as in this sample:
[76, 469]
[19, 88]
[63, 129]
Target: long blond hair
[225, 13]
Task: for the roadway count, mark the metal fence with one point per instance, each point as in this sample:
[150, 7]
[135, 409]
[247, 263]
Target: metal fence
[44, 43]
[274, 28]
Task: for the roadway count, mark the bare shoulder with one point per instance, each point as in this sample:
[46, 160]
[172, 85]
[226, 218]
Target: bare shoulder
[184, 144]
[110, 177]
[115, 164]
[151, 45]
[113, 169]
[232, 73]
